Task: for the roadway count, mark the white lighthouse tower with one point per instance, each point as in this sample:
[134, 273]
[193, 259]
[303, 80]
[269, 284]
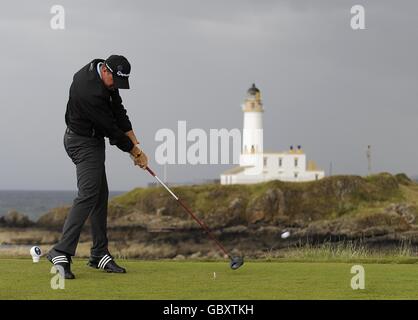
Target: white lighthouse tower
[256, 165]
[252, 134]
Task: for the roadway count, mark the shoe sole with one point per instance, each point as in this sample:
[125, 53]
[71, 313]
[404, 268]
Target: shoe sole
[96, 267]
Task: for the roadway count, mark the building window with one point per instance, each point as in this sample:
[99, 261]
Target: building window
[296, 162]
[316, 176]
[265, 161]
[280, 162]
[296, 174]
[252, 149]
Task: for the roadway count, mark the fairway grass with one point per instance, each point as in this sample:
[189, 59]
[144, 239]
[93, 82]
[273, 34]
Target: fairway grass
[22, 279]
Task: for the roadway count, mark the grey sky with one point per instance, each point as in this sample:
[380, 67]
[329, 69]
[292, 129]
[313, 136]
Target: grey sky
[329, 88]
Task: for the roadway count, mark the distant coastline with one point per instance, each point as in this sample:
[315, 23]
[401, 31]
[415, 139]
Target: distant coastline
[34, 203]
[364, 216]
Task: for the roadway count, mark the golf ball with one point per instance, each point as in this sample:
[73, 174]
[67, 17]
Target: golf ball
[285, 234]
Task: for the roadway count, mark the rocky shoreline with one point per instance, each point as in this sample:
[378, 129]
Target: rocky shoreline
[379, 211]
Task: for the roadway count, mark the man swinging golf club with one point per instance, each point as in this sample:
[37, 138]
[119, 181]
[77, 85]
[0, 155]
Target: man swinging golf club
[94, 111]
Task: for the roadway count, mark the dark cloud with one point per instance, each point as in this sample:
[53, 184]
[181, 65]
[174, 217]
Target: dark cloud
[325, 86]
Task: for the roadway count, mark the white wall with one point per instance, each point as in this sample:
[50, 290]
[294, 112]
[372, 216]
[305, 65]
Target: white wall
[288, 163]
[272, 170]
[252, 134]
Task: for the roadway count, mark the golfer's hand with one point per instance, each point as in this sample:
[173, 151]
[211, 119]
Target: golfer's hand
[141, 160]
[139, 157]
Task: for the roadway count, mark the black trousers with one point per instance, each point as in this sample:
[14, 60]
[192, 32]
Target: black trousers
[88, 155]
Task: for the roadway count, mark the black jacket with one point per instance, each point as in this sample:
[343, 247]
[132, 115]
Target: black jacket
[92, 109]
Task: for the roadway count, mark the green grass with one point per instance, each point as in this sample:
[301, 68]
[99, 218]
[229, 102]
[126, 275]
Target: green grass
[347, 252]
[22, 279]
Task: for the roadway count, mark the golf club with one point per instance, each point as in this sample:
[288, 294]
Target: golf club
[236, 262]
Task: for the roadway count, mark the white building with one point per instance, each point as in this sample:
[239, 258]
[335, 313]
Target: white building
[258, 166]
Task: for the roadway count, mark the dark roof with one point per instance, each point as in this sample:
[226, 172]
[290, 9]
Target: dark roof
[253, 90]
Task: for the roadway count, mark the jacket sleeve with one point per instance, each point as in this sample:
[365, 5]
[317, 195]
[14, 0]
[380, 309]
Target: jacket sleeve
[119, 112]
[97, 110]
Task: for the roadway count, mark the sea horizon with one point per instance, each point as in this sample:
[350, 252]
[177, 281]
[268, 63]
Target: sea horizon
[35, 203]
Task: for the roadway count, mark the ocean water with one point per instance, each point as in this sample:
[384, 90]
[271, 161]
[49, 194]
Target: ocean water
[35, 203]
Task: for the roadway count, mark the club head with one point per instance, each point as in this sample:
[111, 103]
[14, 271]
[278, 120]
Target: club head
[236, 262]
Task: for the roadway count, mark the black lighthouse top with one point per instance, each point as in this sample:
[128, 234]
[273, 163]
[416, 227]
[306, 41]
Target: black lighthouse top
[253, 90]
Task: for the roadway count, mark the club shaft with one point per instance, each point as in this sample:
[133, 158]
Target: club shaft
[186, 208]
[203, 225]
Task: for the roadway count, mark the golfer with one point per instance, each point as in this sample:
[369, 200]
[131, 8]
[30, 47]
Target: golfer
[94, 111]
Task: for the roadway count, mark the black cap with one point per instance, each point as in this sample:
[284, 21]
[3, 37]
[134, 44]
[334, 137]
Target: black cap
[120, 68]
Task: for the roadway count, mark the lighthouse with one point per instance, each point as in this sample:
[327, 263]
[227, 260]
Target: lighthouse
[255, 164]
[252, 133]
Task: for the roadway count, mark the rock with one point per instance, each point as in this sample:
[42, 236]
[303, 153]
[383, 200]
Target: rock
[237, 206]
[214, 255]
[54, 218]
[196, 255]
[279, 206]
[255, 210]
[376, 231]
[406, 211]
[235, 229]
[319, 229]
[16, 219]
[116, 210]
[236, 211]
[265, 230]
[222, 217]
[256, 215]
[403, 179]
[162, 211]
[267, 207]
[252, 217]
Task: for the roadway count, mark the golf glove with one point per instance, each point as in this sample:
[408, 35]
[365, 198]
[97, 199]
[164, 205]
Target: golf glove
[139, 157]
